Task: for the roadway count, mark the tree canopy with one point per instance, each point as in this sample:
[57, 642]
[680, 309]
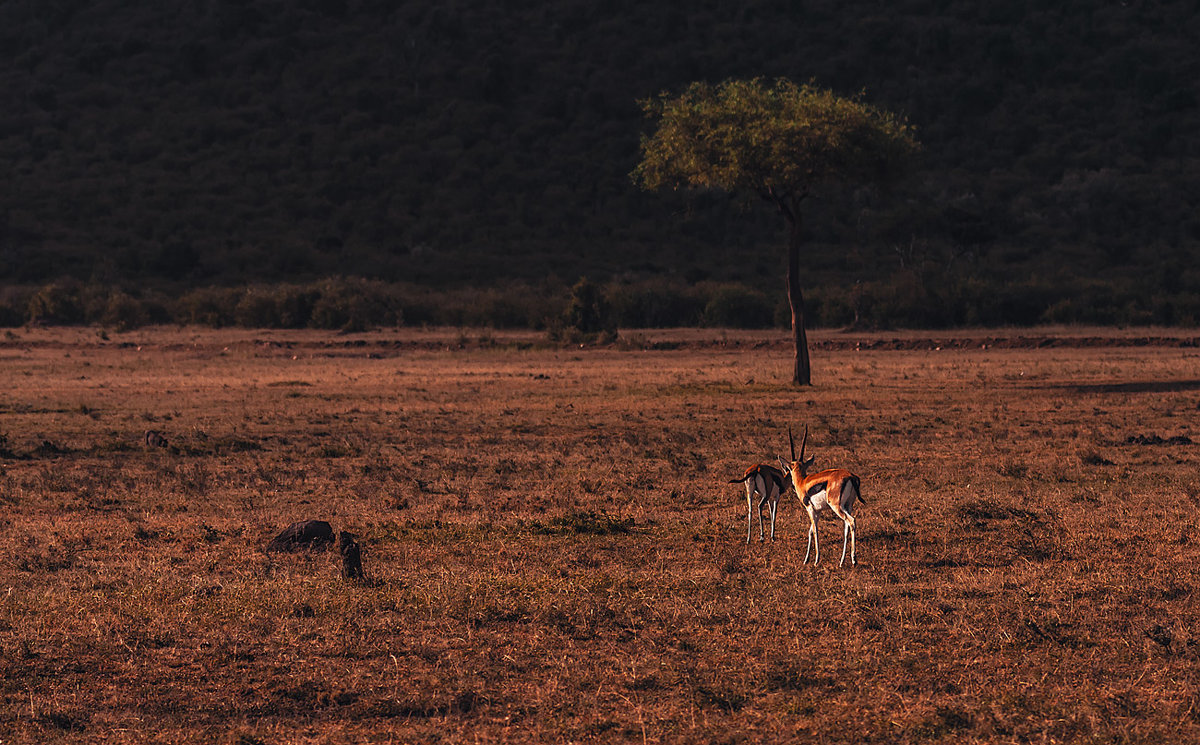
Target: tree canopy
[778, 140]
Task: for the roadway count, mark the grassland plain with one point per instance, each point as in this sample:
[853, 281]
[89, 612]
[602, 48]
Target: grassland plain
[553, 553]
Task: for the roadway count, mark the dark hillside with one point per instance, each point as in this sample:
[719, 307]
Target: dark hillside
[475, 142]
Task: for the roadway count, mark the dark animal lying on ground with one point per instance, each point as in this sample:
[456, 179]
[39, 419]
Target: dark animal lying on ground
[314, 535]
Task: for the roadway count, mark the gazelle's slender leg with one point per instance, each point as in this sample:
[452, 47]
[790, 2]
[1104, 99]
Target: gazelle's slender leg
[812, 531]
[847, 522]
[814, 539]
[749, 510]
[849, 500]
[764, 493]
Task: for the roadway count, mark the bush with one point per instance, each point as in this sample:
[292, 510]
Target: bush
[738, 307]
[294, 306]
[57, 303]
[1176, 310]
[417, 311]
[124, 312]
[353, 305]
[14, 306]
[836, 308]
[655, 305]
[258, 308]
[588, 311]
[518, 306]
[209, 306]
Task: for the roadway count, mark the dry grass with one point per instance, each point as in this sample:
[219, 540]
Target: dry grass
[553, 553]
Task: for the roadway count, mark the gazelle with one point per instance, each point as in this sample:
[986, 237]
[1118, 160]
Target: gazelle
[834, 491]
[769, 483]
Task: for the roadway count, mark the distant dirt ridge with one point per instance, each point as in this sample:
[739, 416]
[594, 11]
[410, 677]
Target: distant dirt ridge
[389, 344]
[877, 342]
[874, 342]
[1007, 342]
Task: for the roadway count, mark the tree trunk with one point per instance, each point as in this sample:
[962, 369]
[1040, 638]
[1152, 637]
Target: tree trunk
[802, 375]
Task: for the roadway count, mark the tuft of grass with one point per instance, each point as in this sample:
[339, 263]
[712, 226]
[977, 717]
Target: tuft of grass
[986, 509]
[586, 522]
[1013, 469]
[945, 721]
[36, 560]
[64, 721]
[790, 678]
[1092, 458]
[723, 699]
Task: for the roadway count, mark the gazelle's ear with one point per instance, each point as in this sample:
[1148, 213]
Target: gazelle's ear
[783, 463]
[810, 460]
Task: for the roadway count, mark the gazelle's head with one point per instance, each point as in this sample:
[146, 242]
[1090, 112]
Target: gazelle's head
[797, 467]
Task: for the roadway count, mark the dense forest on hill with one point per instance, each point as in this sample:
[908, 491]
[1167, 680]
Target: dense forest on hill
[162, 147]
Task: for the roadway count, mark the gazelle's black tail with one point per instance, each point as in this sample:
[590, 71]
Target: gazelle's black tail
[858, 490]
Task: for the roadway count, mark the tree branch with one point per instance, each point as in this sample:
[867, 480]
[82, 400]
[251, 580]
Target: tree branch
[783, 202]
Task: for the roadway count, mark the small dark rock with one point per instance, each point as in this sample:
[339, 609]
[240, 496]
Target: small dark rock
[155, 439]
[351, 556]
[314, 535]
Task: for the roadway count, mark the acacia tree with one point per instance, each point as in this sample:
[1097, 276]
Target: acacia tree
[780, 141]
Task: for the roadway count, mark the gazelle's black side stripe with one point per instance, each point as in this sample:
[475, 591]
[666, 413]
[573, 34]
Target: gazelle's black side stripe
[776, 479]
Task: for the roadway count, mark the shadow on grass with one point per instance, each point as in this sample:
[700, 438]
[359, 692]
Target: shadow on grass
[582, 523]
[1135, 386]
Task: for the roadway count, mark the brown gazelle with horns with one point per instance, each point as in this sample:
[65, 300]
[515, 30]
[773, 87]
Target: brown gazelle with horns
[834, 491]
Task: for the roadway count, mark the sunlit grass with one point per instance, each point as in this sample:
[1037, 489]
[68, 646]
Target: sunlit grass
[553, 553]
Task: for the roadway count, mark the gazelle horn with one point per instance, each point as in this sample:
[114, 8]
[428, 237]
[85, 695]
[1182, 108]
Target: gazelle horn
[804, 442]
[792, 441]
